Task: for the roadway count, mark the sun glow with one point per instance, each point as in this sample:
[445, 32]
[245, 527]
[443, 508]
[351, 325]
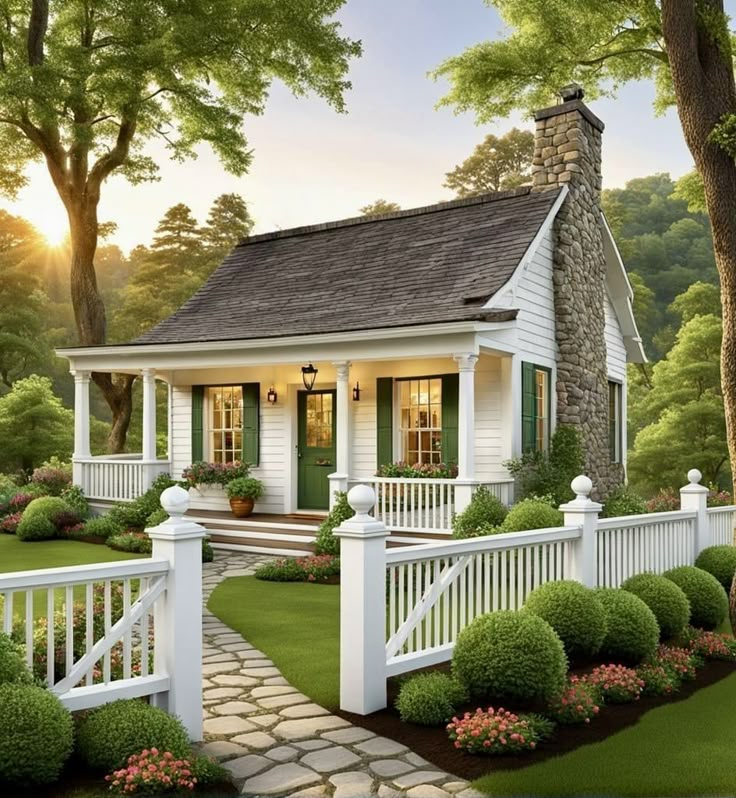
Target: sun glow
[53, 225]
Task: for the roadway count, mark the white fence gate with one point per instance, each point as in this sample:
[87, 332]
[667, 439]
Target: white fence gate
[127, 629]
[402, 609]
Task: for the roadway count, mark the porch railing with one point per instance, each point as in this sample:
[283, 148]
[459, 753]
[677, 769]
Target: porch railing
[118, 477]
[423, 505]
[721, 522]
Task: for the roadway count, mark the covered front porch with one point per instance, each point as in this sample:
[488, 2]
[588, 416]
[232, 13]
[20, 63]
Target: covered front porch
[436, 398]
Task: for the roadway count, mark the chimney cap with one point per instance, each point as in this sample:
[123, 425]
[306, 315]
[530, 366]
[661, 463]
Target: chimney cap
[573, 91]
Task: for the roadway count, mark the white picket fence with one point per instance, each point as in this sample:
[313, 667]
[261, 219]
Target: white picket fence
[403, 608]
[119, 630]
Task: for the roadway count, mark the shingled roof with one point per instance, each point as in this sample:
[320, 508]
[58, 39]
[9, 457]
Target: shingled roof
[426, 265]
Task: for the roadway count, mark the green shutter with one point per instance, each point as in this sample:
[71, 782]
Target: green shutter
[251, 422]
[384, 420]
[528, 408]
[450, 400]
[197, 423]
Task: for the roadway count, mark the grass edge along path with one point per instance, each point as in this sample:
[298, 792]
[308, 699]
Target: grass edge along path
[295, 624]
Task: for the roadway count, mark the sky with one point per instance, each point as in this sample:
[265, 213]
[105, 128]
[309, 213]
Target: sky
[312, 164]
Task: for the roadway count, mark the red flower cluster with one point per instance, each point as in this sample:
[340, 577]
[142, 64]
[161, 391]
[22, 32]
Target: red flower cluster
[495, 731]
[201, 473]
[152, 772]
[19, 502]
[710, 645]
[657, 679]
[578, 702]
[678, 661]
[618, 684]
[9, 524]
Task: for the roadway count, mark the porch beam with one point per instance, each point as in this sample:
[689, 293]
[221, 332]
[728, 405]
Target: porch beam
[81, 423]
[466, 428]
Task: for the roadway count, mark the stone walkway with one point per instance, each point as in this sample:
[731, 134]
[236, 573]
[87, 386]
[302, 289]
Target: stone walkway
[276, 742]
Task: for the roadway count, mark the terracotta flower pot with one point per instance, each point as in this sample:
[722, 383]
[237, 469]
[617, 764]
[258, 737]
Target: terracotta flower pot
[241, 507]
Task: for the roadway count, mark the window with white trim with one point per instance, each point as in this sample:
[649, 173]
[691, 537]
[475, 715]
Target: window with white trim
[420, 420]
[225, 423]
[615, 426]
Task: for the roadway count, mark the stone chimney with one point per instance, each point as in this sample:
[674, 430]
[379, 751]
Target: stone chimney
[567, 151]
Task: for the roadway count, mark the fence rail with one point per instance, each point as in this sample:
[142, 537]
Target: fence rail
[423, 505]
[631, 544]
[118, 478]
[721, 522]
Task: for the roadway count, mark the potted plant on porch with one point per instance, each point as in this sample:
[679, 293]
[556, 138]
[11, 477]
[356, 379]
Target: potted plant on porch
[242, 493]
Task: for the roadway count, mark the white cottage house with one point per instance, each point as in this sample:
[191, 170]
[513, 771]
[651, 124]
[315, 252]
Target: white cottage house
[457, 333]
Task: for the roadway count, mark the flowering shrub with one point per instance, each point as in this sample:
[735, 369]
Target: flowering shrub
[680, 662]
[418, 470]
[9, 524]
[667, 499]
[52, 478]
[317, 568]
[152, 772]
[710, 645]
[657, 679]
[20, 501]
[718, 498]
[579, 702]
[495, 731]
[618, 684]
[201, 473]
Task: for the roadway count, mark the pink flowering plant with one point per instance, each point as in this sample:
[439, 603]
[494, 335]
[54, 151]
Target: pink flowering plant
[718, 498]
[681, 662]
[418, 470]
[657, 679]
[202, 473]
[579, 702]
[617, 683]
[492, 731]
[152, 772]
[20, 501]
[9, 524]
[316, 568]
[710, 645]
[666, 500]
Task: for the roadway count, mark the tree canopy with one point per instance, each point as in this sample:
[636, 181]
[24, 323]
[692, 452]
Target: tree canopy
[497, 163]
[379, 206]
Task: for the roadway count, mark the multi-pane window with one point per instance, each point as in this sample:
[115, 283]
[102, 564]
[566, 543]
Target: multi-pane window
[614, 421]
[225, 423]
[541, 384]
[421, 420]
[319, 420]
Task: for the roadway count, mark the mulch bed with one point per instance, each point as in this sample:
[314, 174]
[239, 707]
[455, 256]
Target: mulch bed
[433, 744]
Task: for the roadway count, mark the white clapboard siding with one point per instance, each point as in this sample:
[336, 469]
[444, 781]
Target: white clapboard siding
[181, 428]
[615, 350]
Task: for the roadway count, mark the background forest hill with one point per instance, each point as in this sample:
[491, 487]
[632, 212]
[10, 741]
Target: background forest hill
[675, 406]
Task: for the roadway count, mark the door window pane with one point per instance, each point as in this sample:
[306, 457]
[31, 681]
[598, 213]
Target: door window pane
[319, 420]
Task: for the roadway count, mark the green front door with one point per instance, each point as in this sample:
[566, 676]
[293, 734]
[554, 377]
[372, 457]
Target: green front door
[316, 448]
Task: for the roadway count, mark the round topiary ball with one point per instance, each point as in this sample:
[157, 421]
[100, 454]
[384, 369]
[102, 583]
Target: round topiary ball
[719, 561]
[37, 522]
[708, 599]
[429, 699]
[13, 668]
[531, 514]
[510, 655]
[574, 612]
[37, 735]
[114, 732]
[664, 598]
[633, 632]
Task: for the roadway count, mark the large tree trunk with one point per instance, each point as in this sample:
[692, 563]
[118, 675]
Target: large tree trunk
[703, 79]
[89, 315]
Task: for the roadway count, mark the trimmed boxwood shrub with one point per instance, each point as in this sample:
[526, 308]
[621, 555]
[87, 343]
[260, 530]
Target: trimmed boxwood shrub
[574, 612]
[633, 631]
[624, 501]
[531, 514]
[102, 526]
[37, 522]
[664, 598]
[429, 699]
[326, 542]
[719, 561]
[37, 735]
[510, 655]
[13, 668]
[708, 599]
[484, 512]
[107, 736]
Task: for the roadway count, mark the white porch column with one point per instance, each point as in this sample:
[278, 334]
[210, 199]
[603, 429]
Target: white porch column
[149, 427]
[466, 430]
[81, 425]
[339, 479]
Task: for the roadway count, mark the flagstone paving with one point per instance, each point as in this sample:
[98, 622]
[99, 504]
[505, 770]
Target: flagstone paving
[276, 742]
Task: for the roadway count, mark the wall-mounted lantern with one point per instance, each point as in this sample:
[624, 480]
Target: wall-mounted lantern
[272, 396]
[356, 392]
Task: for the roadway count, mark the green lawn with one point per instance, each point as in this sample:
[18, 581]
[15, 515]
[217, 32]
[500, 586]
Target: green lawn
[15, 555]
[296, 624]
[682, 749]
